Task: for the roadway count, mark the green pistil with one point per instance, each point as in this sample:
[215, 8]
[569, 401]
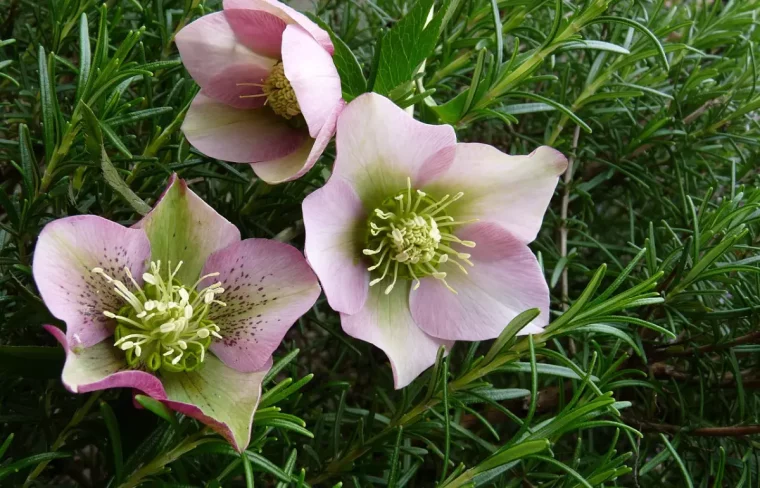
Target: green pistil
[164, 325]
[409, 237]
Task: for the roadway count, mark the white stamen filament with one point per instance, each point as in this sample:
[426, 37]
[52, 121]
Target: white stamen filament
[172, 322]
[413, 239]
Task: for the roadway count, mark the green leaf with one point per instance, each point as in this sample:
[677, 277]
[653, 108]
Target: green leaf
[409, 43]
[549, 101]
[641, 28]
[113, 431]
[267, 465]
[14, 468]
[352, 80]
[110, 173]
[247, 469]
[610, 330]
[28, 163]
[684, 472]
[593, 45]
[85, 58]
[543, 368]
[510, 331]
[47, 105]
[518, 451]
[158, 408]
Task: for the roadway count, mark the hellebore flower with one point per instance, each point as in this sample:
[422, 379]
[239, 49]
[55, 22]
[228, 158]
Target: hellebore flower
[270, 93]
[177, 307]
[419, 241]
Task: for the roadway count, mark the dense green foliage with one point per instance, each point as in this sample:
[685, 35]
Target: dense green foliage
[648, 375]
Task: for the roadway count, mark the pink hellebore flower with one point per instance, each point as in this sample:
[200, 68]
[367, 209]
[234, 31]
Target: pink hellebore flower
[177, 307]
[420, 241]
[270, 92]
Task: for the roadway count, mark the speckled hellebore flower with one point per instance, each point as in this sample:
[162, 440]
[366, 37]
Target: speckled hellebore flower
[270, 93]
[177, 307]
[419, 241]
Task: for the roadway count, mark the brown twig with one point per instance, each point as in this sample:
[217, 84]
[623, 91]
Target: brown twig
[671, 351]
[731, 431]
[705, 106]
[563, 216]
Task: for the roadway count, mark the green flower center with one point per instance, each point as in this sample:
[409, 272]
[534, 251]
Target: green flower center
[164, 325]
[410, 235]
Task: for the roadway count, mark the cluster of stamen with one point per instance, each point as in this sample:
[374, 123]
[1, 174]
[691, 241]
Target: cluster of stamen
[163, 324]
[410, 236]
[279, 93]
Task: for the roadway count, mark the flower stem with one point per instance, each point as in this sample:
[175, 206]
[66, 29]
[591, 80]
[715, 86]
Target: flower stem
[338, 465]
[153, 467]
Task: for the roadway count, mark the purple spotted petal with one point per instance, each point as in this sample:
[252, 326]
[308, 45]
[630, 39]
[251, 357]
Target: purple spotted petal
[268, 286]
[67, 251]
[219, 396]
[182, 227]
[100, 367]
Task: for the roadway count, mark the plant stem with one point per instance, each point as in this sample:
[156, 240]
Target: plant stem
[190, 443]
[79, 415]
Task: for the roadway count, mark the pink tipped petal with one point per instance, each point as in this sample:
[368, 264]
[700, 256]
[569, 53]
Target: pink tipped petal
[385, 321]
[298, 163]
[219, 396]
[512, 191]
[240, 136]
[268, 286]
[215, 57]
[258, 30]
[332, 217]
[379, 146]
[67, 251]
[182, 227]
[504, 281]
[313, 76]
[100, 367]
[287, 14]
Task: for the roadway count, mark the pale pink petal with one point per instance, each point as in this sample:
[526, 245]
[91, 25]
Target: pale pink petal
[217, 60]
[385, 321]
[219, 396]
[313, 76]
[267, 285]
[67, 251]
[287, 14]
[333, 217]
[379, 146]
[504, 281]
[298, 163]
[101, 366]
[182, 227]
[258, 30]
[512, 191]
[240, 136]
[234, 85]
